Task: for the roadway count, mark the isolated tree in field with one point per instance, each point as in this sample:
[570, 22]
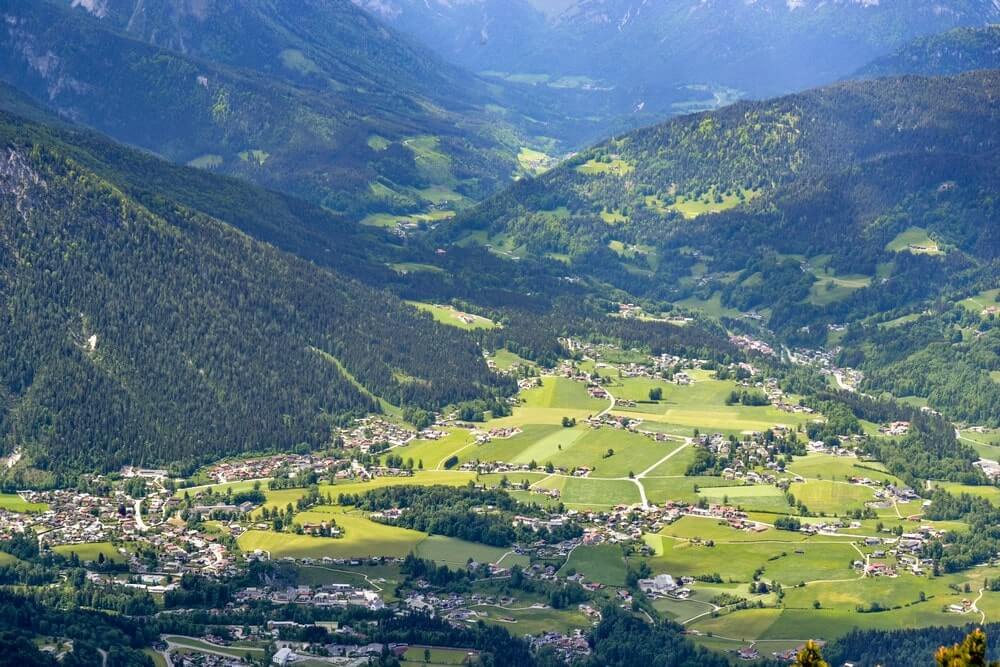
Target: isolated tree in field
[656, 393]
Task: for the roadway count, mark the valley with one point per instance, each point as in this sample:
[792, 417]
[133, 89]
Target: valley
[547, 333]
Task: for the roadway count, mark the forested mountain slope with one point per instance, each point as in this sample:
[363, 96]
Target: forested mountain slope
[159, 334]
[846, 206]
[952, 52]
[837, 171]
[349, 122]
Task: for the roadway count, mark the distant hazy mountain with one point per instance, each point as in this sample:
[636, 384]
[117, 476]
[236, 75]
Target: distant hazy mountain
[959, 50]
[314, 98]
[645, 46]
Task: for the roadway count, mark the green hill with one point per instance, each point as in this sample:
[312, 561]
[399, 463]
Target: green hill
[141, 328]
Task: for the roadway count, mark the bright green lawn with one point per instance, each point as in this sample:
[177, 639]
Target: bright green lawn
[831, 497]
[91, 551]
[603, 563]
[453, 317]
[15, 503]
[615, 167]
[693, 207]
[915, 240]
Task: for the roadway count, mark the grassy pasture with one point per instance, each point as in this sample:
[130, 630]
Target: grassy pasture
[991, 493]
[603, 563]
[456, 553]
[831, 497]
[760, 498]
[454, 317]
[692, 207]
[559, 392]
[614, 167]
[534, 162]
[701, 405]
[15, 503]
[90, 552]
[826, 466]
[434, 452]
[534, 621]
[914, 240]
[436, 657]
[982, 301]
[505, 360]
[679, 489]
[582, 493]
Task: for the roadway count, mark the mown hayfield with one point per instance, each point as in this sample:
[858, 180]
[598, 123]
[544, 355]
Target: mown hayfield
[454, 317]
[676, 465]
[580, 492]
[602, 563]
[280, 498]
[679, 489]
[736, 561]
[505, 360]
[520, 622]
[839, 468]
[435, 657]
[15, 503]
[90, 552]
[914, 240]
[363, 539]
[435, 452]
[614, 167]
[491, 480]
[456, 553]
[888, 592]
[831, 497]
[991, 493]
[760, 497]
[537, 442]
[709, 203]
[709, 528]
[818, 561]
[702, 405]
[742, 625]
[559, 392]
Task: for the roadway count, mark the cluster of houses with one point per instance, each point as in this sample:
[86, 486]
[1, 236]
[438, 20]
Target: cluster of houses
[748, 344]
[327, 595]
[570, 647]
[269, 466]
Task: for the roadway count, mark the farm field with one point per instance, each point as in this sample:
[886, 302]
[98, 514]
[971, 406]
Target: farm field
[701, 405]
[15, 503]
[838, 468]
[532, 621]
[603, 563]
[614, 166]
[90, 552]
[453, 317]
[829, 497]
[914, 240]
[982, 301]
[693, 207]
[436, 657]
[758, 498]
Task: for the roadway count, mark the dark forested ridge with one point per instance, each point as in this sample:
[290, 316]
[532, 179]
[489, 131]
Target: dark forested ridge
[135, 335]
[952, 52]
